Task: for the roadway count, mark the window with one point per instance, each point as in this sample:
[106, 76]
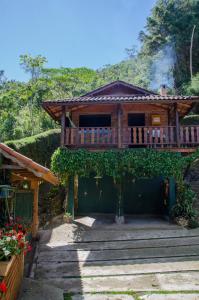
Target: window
[95, 120]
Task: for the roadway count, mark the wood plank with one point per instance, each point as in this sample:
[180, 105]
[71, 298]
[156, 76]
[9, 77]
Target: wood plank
[140, 135]
[187, 135]
[197, 134]
[171, 135]
[93, 135]
[134, 135]
[150, 135]
[161, 137]
[119, 125]
[155, 135]
[82, 135]
[192, 135]
[35, 222]
[98, 136]
[182, 135]
[63, 126]
[145, 136]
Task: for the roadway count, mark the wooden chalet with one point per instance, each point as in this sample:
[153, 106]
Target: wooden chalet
[121, 115]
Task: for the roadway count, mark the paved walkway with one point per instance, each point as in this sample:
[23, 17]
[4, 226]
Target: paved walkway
[98, 260]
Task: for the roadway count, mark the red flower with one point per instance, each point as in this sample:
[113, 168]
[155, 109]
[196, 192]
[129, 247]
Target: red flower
[29, 248]
[20, 235]
[3, 287]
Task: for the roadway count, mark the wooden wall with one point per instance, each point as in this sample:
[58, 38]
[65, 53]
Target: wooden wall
[148, 109]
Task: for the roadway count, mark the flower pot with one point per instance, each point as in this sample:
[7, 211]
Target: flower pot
[67, 219]
[5, 266]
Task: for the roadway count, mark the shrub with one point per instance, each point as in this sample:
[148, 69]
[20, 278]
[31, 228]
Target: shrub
[38, 147]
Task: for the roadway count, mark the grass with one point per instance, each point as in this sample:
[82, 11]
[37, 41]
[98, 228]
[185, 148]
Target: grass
[136, 295]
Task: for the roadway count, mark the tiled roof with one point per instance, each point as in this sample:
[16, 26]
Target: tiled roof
[114, 99]
[28, 164]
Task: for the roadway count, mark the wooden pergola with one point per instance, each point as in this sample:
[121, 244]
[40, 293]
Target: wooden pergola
[23, 168]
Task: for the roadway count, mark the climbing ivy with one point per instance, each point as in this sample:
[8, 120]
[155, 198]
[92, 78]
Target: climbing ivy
[139, 163]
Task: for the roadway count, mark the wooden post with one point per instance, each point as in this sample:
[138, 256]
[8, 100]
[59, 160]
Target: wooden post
[63, 125]
[76, 192]
[119, 218]
[177, 125]
[71, 197]
[35, 223]
[119, 126]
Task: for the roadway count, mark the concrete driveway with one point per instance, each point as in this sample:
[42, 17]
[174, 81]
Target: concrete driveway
[96, 259]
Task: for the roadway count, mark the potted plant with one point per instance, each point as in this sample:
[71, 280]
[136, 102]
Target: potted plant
[67, 217]
[12, 243]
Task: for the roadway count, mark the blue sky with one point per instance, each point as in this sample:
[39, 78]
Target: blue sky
[70, 33]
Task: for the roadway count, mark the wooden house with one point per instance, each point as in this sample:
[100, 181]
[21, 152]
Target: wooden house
[121, 115]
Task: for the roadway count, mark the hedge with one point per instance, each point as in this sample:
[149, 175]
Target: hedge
[39, 147]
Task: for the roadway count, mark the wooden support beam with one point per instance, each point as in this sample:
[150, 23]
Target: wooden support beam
[119, 218]
[63, 125]
[177, 125]
[119, 126]
[35, 223]
[71, 197]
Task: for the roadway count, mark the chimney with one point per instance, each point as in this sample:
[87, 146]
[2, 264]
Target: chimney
[163, 90]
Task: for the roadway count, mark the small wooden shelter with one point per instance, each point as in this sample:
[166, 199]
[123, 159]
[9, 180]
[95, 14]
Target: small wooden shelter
[22, 169]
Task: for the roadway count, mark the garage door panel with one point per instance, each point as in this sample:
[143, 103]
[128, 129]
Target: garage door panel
[96, 195]
[143, 196]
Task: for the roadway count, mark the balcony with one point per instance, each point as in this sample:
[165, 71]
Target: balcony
[135, 137]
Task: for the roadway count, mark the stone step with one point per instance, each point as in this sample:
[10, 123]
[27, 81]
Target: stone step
[144, 243]
[110, 234]
[64, 270]
[129, 254]
[148, 282]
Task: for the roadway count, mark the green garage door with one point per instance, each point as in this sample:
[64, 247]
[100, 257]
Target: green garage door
[96, 196]
[143, 196]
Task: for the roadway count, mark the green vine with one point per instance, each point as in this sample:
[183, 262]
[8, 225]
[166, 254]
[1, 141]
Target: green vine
[139, 163]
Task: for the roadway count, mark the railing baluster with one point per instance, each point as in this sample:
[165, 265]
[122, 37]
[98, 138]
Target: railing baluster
[192, 135]
[171, 135]
[134, 135]
[197, 134]
[92, 135]
[150, 136]
[182, 135]
[155, 135]
[161, 137]
[145, 135]
[82, 135]
[140, 135]
[187, 134]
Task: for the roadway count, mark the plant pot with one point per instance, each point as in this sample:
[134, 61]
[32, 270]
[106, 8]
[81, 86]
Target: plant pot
[67, 219]
[5, 266]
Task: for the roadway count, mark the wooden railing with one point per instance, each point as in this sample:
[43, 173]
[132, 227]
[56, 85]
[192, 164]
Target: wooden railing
[146, 136]
[150, 136]
[91, 136]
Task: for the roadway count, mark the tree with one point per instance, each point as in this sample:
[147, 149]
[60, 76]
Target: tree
[171, 23]
[33, 65]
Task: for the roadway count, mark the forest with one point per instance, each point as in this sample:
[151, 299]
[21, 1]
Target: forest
[169, 54]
